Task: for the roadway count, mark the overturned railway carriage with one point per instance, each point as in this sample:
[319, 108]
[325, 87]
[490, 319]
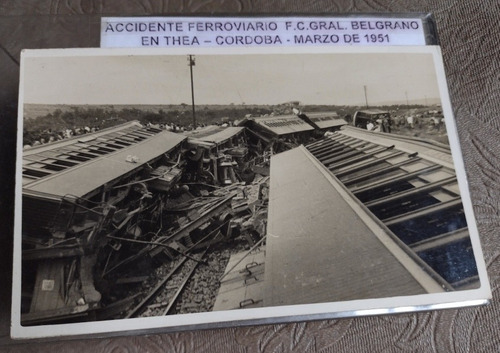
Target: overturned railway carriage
[373, 119]
[326, 120]
[285, 131]
[77, 193]
[217, 153]
[362, 215]
[288, 128]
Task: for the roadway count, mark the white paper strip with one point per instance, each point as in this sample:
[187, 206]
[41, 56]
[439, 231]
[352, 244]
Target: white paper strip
[136, 32]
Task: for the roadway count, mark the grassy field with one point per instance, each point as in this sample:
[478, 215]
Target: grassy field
[39, 117]
[34, 111]
[43, 121]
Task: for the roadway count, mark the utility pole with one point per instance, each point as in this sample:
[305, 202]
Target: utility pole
[366, 97]
[407, 103]
[191, 63]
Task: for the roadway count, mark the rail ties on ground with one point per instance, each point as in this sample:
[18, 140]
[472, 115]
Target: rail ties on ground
[164, 285]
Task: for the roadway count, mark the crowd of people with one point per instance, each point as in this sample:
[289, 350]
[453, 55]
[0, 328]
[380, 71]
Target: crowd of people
[32, 139]
[413, 121]
[181, 128]
[382, 124]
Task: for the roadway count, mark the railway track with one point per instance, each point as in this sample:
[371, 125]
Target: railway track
[161, 300]
[411, 188]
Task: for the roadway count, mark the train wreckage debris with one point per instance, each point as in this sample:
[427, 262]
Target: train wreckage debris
[135, 221]
[103, 214]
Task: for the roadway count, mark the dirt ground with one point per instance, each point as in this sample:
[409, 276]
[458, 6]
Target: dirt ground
[423, 131]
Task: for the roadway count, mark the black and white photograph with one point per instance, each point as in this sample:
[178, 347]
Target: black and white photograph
[193, 188]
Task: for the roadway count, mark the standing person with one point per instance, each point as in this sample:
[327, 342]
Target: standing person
[410, 121]
[386, 125]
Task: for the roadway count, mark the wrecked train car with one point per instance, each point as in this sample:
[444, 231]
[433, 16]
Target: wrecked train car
[391, 203]
[326, 121]
[286, 129]
[219, 154]
[77, 195]
[373, 119]
[283, 132]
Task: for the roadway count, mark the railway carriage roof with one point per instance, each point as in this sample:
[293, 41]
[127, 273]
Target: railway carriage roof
[214, 134]
[326, 120]
[283, 124]
[373, 111]
[390, 202]
[318, 248]
[82, 164]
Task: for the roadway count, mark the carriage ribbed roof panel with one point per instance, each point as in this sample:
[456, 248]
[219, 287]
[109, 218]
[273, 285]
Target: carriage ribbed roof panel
[283, 124]
[214, 134]
[84, 163]
[318, 247]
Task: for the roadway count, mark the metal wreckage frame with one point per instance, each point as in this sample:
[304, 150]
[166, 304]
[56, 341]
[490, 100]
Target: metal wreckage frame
[136, 221]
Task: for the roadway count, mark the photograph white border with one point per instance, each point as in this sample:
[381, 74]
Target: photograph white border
[266, 315]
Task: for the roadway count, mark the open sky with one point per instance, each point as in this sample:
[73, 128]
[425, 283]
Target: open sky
[332, 79]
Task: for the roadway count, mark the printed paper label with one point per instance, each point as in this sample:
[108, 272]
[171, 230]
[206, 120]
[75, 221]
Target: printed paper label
[134, 32]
